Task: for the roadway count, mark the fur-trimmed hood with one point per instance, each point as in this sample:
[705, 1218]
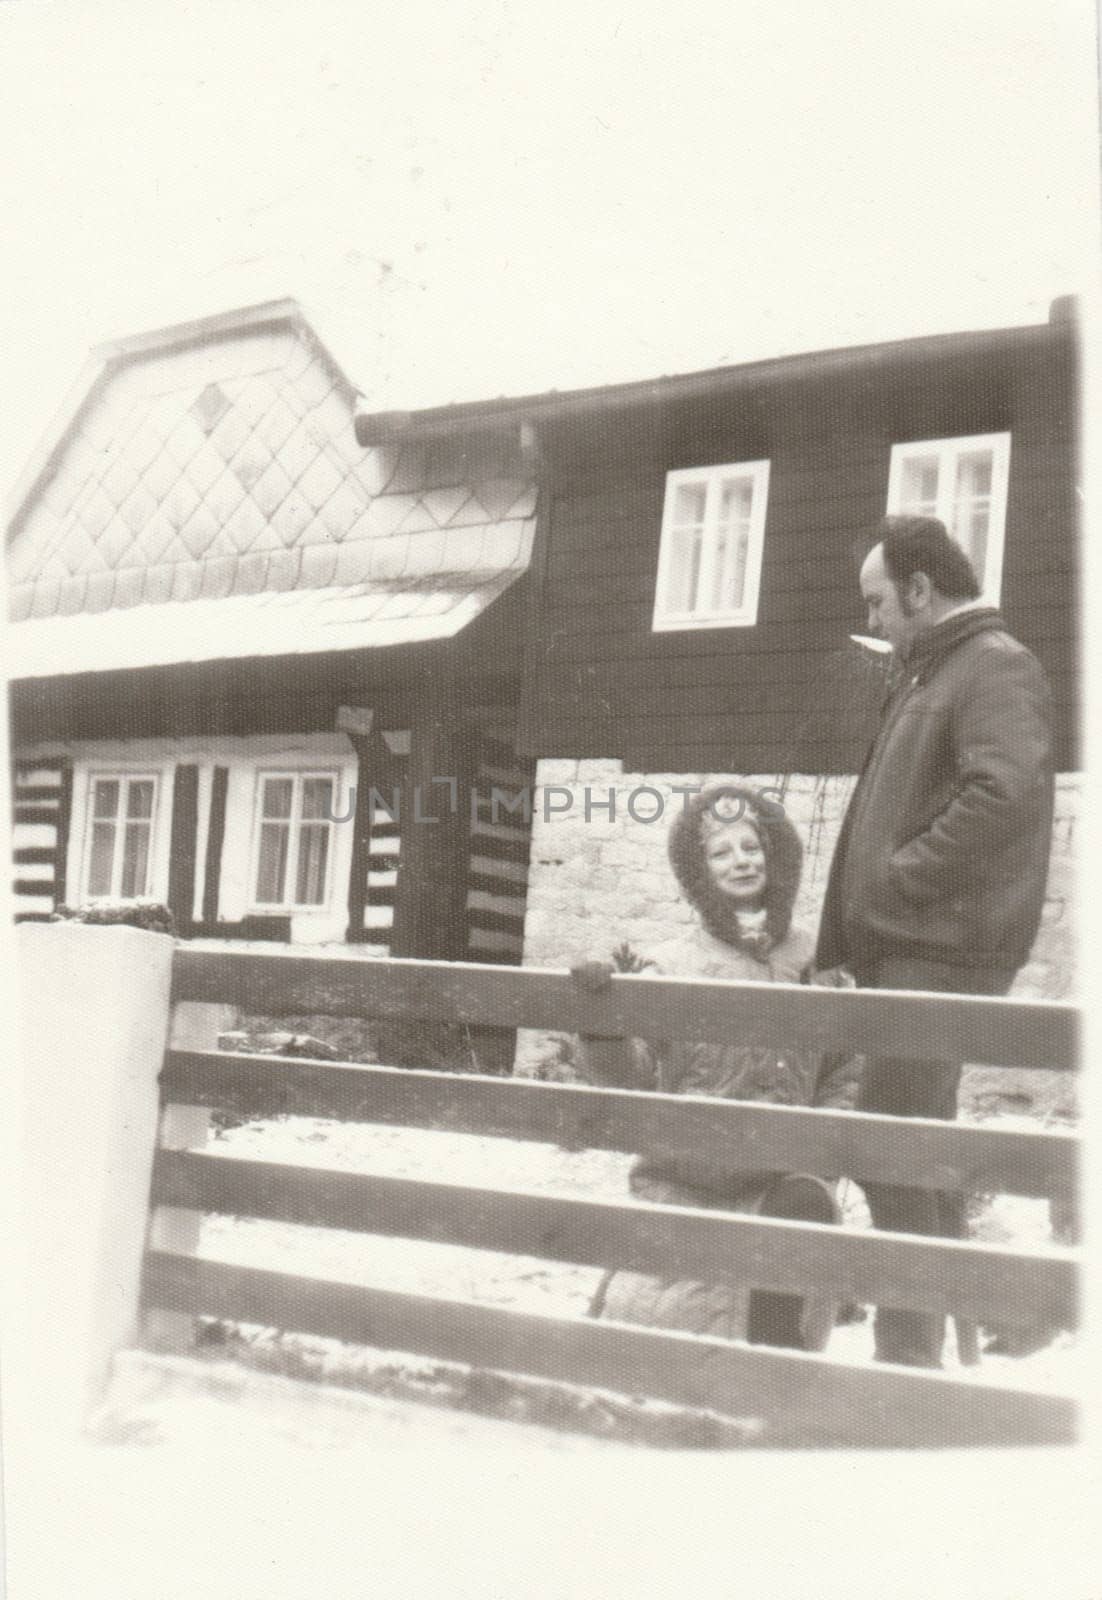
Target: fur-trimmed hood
[783, 860]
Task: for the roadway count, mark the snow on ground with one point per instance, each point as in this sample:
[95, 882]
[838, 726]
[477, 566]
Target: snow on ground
[225, 1503]
[235, 1486]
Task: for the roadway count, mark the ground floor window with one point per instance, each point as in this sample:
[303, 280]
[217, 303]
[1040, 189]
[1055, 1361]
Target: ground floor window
[293, 838]
[120, 831]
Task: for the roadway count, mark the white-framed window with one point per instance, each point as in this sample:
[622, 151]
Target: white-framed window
[293, 840]
[118, 851]
[709, 557]
[964, 483]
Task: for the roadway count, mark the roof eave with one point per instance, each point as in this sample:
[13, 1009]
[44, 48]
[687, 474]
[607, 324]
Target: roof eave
[387, 427]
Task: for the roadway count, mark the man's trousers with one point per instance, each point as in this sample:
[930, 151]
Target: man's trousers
[907, 1084]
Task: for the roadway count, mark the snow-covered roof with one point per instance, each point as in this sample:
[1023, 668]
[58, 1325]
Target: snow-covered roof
[205, 497]
[292, 622]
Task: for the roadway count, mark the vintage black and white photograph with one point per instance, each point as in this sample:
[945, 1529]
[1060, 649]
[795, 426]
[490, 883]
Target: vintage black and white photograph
[544, 575]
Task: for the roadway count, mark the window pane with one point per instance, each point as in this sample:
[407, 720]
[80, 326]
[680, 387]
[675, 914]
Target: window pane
[972, 506]
[975, 542]
[684, 571]
[135, 861]
[105, 797]
[317, 797]
[278, 795]
[732, 543]
[736, 500]
[918, 485]
[313, 852]
[102, 856]
[688, 503]
[730, 569]
[974, 474]
[272, 868]
[971, 521]
[139, 798]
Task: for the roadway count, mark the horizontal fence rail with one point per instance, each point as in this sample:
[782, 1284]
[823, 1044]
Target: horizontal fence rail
[981, 1281]
[783, 1397]
[788, 1399]
[1023, 1033]
[920, 1153]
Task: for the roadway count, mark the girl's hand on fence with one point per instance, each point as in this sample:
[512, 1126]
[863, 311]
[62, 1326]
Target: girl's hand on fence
[832, 978]
[594, 976]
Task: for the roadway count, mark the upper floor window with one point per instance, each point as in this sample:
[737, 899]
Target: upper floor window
[120, 835]
[293, 839]
[963, 482]
[709, 558]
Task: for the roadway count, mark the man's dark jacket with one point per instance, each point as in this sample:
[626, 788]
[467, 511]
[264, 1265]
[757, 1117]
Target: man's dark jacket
[944, 850]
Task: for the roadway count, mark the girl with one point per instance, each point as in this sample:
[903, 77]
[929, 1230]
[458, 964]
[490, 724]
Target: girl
[737, 859]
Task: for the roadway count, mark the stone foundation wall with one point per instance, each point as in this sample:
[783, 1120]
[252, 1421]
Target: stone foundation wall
[597, 882]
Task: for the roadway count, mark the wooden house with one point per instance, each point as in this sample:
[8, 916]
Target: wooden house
[239, 640]
[694, 607]
[240, 592]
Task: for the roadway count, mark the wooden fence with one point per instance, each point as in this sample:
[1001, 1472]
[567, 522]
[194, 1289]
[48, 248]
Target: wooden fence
[792, 1398]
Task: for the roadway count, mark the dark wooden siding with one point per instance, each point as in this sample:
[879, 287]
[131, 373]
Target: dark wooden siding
[790, 693]
[500, 834]
[275, 694]
[182, 845]
[41, 803]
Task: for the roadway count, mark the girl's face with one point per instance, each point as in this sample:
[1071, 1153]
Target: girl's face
[735, 860]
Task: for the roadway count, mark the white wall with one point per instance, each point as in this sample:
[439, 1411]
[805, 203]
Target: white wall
[93, 1021]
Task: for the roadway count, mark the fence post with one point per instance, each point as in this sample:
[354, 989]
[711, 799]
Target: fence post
[93, 1020]
[195, 1025]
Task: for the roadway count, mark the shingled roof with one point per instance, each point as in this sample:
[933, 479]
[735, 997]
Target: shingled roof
[203, 495]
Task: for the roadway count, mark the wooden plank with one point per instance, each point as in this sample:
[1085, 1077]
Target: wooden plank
[216, 832]
[429, 900]
[725, 672]
[498, 921]
[661, 712]
[784, 597]
[64, 817]
[1032, 1033]
[28, 792]
[644, 648]
[918, 1152]
[22, 765]
[984, 1282]
[504, 844]
[617, 641]
[503, 883]
[183, 843]
[34, 813]
[731, 729]
[361, 843]
[790, 1399]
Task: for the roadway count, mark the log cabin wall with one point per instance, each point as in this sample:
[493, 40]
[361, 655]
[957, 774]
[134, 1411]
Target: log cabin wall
[788, 693]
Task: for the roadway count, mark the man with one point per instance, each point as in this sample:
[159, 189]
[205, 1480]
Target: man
[938, 877]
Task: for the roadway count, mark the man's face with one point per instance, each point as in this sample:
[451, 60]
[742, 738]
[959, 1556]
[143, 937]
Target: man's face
[891, 615]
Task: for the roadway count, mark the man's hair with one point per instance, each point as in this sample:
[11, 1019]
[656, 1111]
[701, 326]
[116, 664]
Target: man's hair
[922, 544]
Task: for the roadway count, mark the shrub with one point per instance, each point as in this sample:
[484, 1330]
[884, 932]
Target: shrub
[147, 914]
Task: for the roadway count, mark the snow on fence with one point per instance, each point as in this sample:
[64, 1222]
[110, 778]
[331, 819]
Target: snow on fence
[786, 1397]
